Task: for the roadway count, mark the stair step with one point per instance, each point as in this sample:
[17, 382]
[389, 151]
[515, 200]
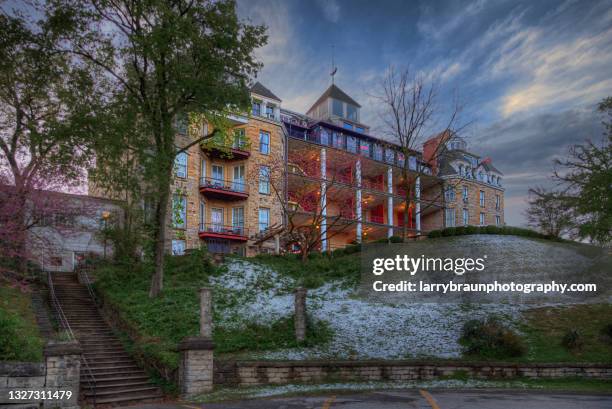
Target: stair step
[107, 380]
[143, 397]
[124, 390]
[101, 376]
[98, 387]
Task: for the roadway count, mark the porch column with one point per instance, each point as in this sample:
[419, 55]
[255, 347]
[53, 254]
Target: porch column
[390, 201]
[358, 199]
[417, 216]
[323, 199]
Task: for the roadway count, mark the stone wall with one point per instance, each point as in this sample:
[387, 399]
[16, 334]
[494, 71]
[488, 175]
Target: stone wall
[473, 203]
[255, 373]
[60, 372]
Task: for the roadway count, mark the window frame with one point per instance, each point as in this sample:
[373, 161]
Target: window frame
[261, 211]
[263, 133]
[178, 165]
[264, 179]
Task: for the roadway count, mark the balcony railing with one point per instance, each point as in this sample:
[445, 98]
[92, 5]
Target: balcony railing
[237, 149]
[236, 189]
[219, 230]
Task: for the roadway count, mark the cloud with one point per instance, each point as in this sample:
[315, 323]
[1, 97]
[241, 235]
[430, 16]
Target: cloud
[437, 24]
[331, 9]
[524, 149]
[552, 64]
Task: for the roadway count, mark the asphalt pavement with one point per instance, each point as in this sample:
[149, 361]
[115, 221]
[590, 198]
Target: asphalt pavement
[413, 399]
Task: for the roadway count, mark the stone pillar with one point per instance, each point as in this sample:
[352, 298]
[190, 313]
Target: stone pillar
[300, 314]
[359, 229]
[196, 361]
[206, 324]
[63, 362]
[417, 216]
[323, 199]
[390, 201]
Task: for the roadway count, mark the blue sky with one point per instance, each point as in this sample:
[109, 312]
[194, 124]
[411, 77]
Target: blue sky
[528, 74]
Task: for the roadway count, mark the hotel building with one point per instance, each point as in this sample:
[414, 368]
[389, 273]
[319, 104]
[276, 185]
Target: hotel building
[330, 165]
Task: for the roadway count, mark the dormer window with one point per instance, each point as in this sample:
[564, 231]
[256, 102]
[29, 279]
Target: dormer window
[337, 108]
[270, 111]
[351, 112]
[256, 108]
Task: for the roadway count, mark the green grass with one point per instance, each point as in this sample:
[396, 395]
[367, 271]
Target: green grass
[544, 329]
[20, 338]
[318, 270]
[164, 321]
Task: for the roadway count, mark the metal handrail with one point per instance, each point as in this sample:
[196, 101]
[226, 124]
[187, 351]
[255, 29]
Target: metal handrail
[65, 325]
[88, 284]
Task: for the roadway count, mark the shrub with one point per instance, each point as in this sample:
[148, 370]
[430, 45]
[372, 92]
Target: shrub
[492, 230]
[471, 230]
[573, 340]
[449, 231]
[489, 338]
[460, 231]
[434, 234]
[396, 239]
[606, 334]
[15, 343]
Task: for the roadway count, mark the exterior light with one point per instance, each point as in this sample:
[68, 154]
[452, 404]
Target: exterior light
[106, 215]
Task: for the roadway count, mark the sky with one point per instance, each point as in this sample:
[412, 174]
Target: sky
[527, 74]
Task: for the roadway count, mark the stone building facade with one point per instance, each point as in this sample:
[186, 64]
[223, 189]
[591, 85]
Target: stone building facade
[223, 194]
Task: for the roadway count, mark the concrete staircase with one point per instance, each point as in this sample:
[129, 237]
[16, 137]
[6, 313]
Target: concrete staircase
[115, 377]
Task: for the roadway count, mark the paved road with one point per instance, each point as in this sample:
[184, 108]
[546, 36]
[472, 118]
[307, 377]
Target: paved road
[415, 399]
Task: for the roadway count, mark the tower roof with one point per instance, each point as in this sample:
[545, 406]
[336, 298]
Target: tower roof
[259, 89]
[334, 92]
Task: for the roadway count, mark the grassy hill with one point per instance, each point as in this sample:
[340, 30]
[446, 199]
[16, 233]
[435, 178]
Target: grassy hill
[253, 302]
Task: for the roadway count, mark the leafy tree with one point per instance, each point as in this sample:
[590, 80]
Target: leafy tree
[167, 58]
[47, 107]
[549, 212]
[586, 175]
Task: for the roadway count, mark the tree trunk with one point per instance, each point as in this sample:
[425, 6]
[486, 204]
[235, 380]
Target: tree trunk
[157, 281]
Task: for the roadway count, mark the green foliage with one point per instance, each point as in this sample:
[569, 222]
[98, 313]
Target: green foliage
[19, 336]
[395, 239]
[164, 321]
[573, 340]
[544, 329]
[256, 337]
[317, 270]
[489, 338]
[606, 334]
[205, 55]
[586, 174]
[504, 230]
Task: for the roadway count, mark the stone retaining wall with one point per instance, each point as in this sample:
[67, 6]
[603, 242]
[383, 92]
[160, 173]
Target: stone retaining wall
[59, 372]
[254, 373]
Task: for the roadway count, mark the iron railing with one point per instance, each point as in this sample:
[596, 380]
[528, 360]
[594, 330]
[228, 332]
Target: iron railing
[229, 185]
[224, 229]
[65, 327]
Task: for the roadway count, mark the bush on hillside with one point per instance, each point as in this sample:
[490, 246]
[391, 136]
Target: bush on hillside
[505, 230]
[573, 340]
[489, 338]
[606, 334]
[15, 344]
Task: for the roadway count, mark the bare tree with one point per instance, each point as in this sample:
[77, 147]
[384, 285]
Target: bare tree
[409, 112]
[309, 219]
[549, 212]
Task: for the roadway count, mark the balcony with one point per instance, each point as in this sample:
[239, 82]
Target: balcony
[238, 150]
[219, 231]
[222, 189]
